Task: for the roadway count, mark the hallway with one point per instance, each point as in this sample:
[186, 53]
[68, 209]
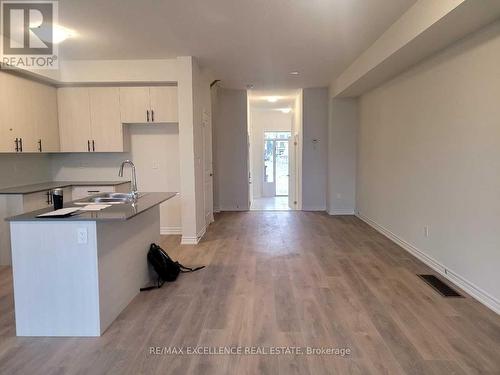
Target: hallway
[270, 204]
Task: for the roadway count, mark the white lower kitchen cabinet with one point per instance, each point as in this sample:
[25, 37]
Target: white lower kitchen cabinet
[22, 201]
[16, 204]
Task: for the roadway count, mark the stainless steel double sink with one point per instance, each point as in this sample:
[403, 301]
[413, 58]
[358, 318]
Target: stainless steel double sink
[113, 198]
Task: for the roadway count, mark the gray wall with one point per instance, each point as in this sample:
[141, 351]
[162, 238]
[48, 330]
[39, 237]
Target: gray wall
[314, 154]
[24, 169]
[342, 135]
[230, 150]
[429, 157]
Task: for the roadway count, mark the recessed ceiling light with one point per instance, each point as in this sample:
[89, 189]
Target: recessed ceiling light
[285, 110]
[54, 33]
[62, 33]
[272, 99]
[294, 73]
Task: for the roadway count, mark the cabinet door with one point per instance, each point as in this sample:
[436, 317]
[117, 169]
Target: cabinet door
[74, 118]
[81, 192]
[36, 201]
[134, 104]
[164, 104]
[17, 114]
[106, 126]
[7, 137]
[45, 110]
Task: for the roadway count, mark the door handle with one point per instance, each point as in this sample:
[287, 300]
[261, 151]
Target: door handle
[152, 116]
[39, 145]
[88, 145]
[17, 144]
[147, 115]
[93, 145]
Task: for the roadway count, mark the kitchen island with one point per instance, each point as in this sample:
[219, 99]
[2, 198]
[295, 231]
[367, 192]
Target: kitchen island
[73, 276]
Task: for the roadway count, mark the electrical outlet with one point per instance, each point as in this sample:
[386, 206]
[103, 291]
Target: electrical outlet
[82, 237]
[426, 231]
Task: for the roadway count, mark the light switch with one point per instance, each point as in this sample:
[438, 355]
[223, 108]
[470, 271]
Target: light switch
[156, 165]
[82, 236]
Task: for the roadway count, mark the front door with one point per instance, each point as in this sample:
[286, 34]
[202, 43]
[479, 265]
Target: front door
[276, 161]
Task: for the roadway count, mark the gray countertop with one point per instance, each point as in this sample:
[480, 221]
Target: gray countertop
[34, 188]
[117, 212]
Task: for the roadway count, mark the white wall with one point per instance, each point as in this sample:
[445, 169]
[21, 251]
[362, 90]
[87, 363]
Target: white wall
[342, 146]
[154, 151]
[201, 109]
[194, 98]
[117, 71]
[314, 154]
[23, 169]
[230, 151]
[262, 121]
[429, 155]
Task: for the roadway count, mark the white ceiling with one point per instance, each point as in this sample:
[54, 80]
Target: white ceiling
[258, 99]
[241, 41]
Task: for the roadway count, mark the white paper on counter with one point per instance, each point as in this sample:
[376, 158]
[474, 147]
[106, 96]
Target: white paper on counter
[61, 212]
[95, 207]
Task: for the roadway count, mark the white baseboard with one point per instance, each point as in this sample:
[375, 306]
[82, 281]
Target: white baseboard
[170, 231]
[341, 211]
[470, 288]
[187, 240]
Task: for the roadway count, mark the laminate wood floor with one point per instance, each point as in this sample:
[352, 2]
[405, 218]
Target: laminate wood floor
[277, 279]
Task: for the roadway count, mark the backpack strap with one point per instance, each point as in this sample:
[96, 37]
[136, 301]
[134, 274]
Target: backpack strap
[159, 284]
[185, 269]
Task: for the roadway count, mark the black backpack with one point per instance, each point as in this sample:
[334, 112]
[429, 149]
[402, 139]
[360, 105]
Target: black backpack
[165, 267]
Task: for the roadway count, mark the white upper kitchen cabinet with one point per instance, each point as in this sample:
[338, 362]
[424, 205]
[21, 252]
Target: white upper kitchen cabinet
[89, 119]
[28, 115]
[44, 105]
[134, 105]
[143, 105]
[7, 143]
[164, 104]
[17, 116]
[74, 119]
[106, 126]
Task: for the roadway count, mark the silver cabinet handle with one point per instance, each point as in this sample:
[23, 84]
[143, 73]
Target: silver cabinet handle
[147, 115]
[20, 145]
[39, 145]
[17, 144]
[88, 145]
[93, 145]
[152, 116]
